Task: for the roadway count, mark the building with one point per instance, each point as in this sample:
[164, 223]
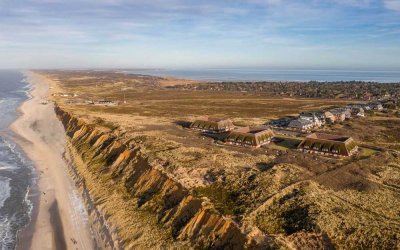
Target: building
[318, 118]
[105, 103]
[301, 124]
[250, 136]
[357, 111]
[212, 125]
[376, 106]
[346, 111]
[340, 114]
[329, 117]
[281, 122]
[327, 144]
[366, 106]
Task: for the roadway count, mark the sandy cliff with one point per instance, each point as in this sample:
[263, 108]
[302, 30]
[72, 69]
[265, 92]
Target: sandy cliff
[133, 204]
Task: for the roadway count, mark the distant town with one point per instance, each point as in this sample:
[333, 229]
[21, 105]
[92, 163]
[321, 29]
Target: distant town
[367, 91]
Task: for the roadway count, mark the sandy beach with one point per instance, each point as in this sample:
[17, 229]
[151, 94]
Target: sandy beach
[58, 220]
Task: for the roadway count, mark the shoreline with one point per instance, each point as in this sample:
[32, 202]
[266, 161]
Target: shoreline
[55, 223]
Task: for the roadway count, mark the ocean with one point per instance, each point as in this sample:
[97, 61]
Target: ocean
[16, 171]
[273, 75]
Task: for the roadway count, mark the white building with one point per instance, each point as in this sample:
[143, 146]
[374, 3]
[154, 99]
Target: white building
[301, 124]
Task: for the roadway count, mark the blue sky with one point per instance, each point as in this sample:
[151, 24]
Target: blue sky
[333, 34]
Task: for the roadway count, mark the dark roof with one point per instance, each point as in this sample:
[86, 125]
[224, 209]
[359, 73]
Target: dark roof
[342, 144]
[302, 121]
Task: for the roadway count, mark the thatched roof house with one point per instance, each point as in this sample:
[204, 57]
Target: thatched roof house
[250, 136]
[213, 125]
[328, 144]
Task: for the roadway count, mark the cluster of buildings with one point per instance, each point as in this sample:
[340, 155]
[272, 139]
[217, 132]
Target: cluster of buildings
[315, 119]
[316, 143]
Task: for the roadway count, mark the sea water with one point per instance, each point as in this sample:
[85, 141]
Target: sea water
[256, 74]
[16, 171]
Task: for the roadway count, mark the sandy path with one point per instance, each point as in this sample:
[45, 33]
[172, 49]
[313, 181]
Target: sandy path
[60, 221]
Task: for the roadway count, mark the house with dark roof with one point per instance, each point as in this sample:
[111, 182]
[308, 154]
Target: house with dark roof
[376, 106]
[212, 125]
[327, 144]
[357, 111]
[301, 124]
[250, 136]
[317, 117]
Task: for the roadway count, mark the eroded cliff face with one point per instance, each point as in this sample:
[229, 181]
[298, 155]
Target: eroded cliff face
[135, 205]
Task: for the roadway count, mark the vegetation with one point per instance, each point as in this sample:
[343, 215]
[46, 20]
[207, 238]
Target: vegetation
[292, 197]
[332, 90]
[223, 199]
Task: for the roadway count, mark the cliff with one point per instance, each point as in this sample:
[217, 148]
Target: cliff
[135, 205]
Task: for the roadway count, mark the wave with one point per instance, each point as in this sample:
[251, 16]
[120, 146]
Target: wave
[10, 156]
[17, 174]
[4, 190]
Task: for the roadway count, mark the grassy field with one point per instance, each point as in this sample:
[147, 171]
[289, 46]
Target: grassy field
[292, 199]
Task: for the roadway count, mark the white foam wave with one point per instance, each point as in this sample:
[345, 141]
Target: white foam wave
[28, 202]
[6, 166]
[7, 239]
[4, 190]
[10, 149]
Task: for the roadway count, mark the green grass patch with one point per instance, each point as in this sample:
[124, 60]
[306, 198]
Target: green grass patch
[367, 152]
[285, 143]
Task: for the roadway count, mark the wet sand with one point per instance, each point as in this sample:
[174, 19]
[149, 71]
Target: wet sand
[57, 221]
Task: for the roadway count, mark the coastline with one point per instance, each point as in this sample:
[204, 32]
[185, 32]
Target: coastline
[55, 222]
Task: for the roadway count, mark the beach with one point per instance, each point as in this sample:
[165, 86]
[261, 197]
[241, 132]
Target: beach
[59, 220]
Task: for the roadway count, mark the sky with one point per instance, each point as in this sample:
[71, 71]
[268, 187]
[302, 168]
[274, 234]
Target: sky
[296, 34]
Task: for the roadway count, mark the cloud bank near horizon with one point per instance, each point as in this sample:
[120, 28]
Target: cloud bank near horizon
[235, 33]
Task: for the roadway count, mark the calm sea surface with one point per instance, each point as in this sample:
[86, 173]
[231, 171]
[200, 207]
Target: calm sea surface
[274, 75]
[16, 171]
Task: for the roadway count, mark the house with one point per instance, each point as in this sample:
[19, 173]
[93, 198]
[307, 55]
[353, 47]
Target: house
[329, 117]
[281, 122]
[376, 106]
[105, 103]
[340, 115]
[250, 136]
[318, 118]
[327, 144]
[301, 124]
[212, 125]
[366, 106]
[346, 111]
[357, 111]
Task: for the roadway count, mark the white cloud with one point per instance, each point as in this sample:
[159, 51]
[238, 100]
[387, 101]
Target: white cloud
[357, 3]
[392, 4]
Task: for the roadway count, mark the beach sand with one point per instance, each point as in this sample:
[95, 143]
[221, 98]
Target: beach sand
[58, 220]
